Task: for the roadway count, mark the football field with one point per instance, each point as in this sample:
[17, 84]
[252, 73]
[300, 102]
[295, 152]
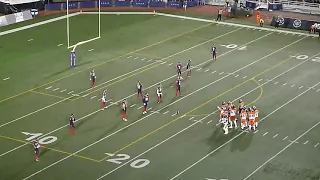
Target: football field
[276, 72]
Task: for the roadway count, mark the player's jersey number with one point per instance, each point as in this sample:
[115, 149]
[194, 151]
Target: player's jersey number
[121, 158]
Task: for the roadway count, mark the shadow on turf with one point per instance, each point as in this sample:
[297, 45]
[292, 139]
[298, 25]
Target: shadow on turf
[66, 69]
[218, 138]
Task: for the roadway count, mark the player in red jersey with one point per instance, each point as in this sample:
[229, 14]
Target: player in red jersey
[36, 146]
[92, 78]
[72, 129]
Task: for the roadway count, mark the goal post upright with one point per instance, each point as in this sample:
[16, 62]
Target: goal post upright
[68, 27]
[99, 19]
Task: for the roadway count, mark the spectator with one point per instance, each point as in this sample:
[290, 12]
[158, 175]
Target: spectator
[219, 14]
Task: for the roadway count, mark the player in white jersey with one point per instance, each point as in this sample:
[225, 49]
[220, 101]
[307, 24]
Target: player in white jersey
[159, 93]
[124, 110]
[103, 102]
[104, 94]
[225, 122]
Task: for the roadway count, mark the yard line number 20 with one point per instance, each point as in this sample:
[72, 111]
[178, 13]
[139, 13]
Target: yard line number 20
[120, 158]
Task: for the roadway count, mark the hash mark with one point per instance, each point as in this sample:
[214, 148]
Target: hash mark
[55, 89]
[255, 131]
[90, 50]
[293, 85]
[60, 44]
[275, 135]
[143, 59]
[170, 64]
[284, 84]
[132, 105]
[63, 90]
[318, 90]
[285, 138]
[276, 82]
[316, 145]
[244, 77]
[129, 57]
[173, 114]
[300, 87]
[49, 87]
[85, 95]
[93, 97]
[260, 80]
[30, 39]
[191, 118]
[199, 69]
[70, 92]
[207, 70]
[136, 58]
[265, 133]
[214, 72]
[140, 107]
[237, 75]
[221, 73]
[306, 142]
[150, 60]
[209, 122]
[166, 112]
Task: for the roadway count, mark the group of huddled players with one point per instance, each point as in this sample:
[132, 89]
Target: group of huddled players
[249, 116]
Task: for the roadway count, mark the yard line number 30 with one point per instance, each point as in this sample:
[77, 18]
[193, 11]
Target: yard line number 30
[120, 158]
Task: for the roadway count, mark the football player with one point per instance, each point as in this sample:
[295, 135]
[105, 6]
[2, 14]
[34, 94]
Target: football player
[233, 118]
[214, 52]
[241, 105]
[159, 93]
[124, 110]
[145, 101]
[178, 87]
[179, 68]
[72, 129]
[92, 78]
[188, 67]
[225, 123]
[36, 146]
[243, 116]
[139, 90]
[256, 113]
[252, 118]
[103, 102]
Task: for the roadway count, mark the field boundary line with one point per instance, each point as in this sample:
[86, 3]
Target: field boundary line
[118, 100]
[170, 103]
[36, 24]
[168, 57]
[206, 20]
[186, 114]
[104, 62]
[52, 149]
[292, 142]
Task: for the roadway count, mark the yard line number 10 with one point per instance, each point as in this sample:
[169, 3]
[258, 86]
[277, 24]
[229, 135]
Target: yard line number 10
[42, 140]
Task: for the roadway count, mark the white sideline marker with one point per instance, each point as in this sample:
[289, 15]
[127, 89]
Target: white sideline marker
[174, 114]
[49, 87]
[140, 107]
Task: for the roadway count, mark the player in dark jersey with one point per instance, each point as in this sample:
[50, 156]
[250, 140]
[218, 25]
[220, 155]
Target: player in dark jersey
[124, 110]
[214, 53]
[179, 68]
[92, 77]
[36, 146]
[189, 68]
[159, 93]
[72, 129]
[145, 101]
[139, 90]
[178, 87]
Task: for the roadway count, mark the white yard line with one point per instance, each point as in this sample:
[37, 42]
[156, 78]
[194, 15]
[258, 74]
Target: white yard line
[133, 72]
[282, 150]
[174, 101]
[224, 144]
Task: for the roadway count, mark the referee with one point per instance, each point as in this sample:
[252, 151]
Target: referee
[219, 14]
